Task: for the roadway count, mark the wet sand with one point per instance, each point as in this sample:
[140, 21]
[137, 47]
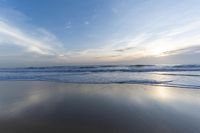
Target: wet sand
[50, 107]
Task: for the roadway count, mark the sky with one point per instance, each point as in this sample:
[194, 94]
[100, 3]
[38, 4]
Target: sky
[89, 32]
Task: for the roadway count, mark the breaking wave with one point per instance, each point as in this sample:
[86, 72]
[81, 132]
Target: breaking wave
[183, 76]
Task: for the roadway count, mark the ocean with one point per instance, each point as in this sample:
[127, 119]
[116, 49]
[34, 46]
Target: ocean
[181, 76]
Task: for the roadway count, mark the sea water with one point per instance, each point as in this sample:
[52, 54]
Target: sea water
[182, 76]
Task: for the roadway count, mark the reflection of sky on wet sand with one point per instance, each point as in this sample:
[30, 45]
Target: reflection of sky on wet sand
[50, 107]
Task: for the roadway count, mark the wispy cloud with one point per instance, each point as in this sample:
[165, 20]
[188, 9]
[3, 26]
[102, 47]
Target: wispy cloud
[149, 42]
[172, 40]
[68, 25]
[45, 45]
[189, 50]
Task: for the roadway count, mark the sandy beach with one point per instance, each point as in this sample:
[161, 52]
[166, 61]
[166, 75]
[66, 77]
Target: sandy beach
[99, 66]
[33, 106]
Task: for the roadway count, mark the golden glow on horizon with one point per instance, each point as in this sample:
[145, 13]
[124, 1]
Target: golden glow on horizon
[160, 50]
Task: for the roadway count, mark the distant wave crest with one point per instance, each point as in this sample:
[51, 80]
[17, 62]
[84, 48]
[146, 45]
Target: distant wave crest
[106, 68]
[109, 74]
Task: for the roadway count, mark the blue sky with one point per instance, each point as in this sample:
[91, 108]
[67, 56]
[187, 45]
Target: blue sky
[67, 32]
